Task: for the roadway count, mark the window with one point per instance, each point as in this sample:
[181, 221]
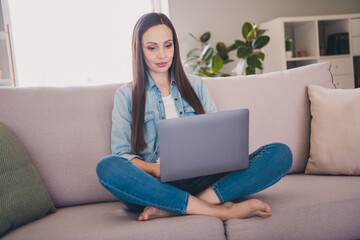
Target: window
[74, 42]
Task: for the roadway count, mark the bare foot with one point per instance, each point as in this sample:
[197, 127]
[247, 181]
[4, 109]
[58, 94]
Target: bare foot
[153, 212]
[246, 209]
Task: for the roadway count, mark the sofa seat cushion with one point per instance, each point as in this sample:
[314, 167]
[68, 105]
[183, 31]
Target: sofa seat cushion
[305, 207]
[112, 221]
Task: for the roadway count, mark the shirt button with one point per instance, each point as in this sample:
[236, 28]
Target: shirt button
[163, 117]
[160, 101]
[180, 112]
[175, 99]
[157, 153]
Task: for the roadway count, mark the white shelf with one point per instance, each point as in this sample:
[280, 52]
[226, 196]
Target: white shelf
[334, 56]
[314, 36]
[301, 59]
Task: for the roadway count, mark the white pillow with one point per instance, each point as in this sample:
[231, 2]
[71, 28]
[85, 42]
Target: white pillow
[335, 131]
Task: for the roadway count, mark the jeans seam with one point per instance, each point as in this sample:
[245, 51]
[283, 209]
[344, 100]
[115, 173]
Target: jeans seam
[146, 202]
[185, 203]
[217, 193]
[257, 155]
[214, 186]
[268, 185]
[272, 181]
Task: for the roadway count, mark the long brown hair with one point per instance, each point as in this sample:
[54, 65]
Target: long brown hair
[140, 78]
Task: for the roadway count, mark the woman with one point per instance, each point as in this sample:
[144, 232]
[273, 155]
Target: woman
[160, 89]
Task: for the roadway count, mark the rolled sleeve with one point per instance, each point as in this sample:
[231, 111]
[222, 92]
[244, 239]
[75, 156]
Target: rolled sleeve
[121, 124]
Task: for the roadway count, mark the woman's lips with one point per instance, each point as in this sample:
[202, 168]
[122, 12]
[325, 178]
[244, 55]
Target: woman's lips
[161, 64]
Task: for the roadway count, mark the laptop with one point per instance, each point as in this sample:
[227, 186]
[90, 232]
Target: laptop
[203, 144]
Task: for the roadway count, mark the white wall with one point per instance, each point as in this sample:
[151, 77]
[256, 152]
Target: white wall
[224, 18]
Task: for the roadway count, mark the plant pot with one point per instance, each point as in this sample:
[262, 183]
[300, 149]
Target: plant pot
[240, 67]
[288, 54]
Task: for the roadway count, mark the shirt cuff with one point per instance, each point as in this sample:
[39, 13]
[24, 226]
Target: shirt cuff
[129, 156]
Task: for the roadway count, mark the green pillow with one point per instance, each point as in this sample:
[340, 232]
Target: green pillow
[23, 196]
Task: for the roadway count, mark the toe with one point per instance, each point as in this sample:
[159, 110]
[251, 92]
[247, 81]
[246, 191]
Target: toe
[263, 214]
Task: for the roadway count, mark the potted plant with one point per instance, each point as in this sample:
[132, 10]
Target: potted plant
[288, 47]
[205, 61]
[250, 50]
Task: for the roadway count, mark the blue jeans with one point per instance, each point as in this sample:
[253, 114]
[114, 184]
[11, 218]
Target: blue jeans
[137, 189]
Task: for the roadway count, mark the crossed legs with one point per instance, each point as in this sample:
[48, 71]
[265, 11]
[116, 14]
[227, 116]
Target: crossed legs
[267, 166]
[207, 203]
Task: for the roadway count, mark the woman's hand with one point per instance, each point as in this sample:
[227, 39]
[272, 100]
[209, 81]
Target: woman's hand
[151, 168]
[156, 170]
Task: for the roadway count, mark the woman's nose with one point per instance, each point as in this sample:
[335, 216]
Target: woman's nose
[161, 53]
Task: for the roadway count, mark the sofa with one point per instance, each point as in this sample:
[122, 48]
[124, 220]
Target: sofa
[66, 131]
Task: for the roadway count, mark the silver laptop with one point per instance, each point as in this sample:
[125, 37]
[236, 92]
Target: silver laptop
[204, 144]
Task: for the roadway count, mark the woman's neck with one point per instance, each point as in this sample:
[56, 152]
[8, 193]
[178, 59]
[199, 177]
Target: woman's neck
[162, 80]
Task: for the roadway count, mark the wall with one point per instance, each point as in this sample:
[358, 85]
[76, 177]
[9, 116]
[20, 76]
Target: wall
[224, 18]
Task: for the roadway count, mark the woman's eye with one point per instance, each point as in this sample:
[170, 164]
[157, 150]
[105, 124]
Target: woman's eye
[151, 48]
[169, 45]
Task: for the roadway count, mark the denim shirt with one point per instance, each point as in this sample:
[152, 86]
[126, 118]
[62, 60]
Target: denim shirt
[154, 111]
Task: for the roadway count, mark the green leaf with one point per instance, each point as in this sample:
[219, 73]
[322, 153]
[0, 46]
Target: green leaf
[260, 55]
[205, 37]
[240, 43]
[260, 42]
[249, 71]
[251, 35]
[207, 53]
[260, 32]
[192, 58]
[206, 73]
[232, 47]
[224, 57]
[190, 53]
[221, 48]
[225, 75]
[194, 37]
[213, 70]
[247, 27]
[217, 63]
[253, 61]
[243, 52]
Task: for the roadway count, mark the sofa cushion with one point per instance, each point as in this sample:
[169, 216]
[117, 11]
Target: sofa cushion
[335, 131]
[23, 197]
[305, 207]
[113, 221]
[66, 131]
[278, 103]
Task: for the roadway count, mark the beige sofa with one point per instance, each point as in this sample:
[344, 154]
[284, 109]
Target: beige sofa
[67, 131]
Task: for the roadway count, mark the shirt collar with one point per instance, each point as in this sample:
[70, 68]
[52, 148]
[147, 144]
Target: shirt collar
[150, 83]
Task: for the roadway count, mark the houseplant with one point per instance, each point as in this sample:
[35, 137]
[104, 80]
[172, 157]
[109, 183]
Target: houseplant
[207, 61]
[288, 47]
[250, 51]
[204, 60]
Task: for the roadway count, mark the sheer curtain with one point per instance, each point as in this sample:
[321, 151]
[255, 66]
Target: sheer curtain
[74, 42]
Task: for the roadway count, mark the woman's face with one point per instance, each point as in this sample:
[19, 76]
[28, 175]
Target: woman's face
[158, 49]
